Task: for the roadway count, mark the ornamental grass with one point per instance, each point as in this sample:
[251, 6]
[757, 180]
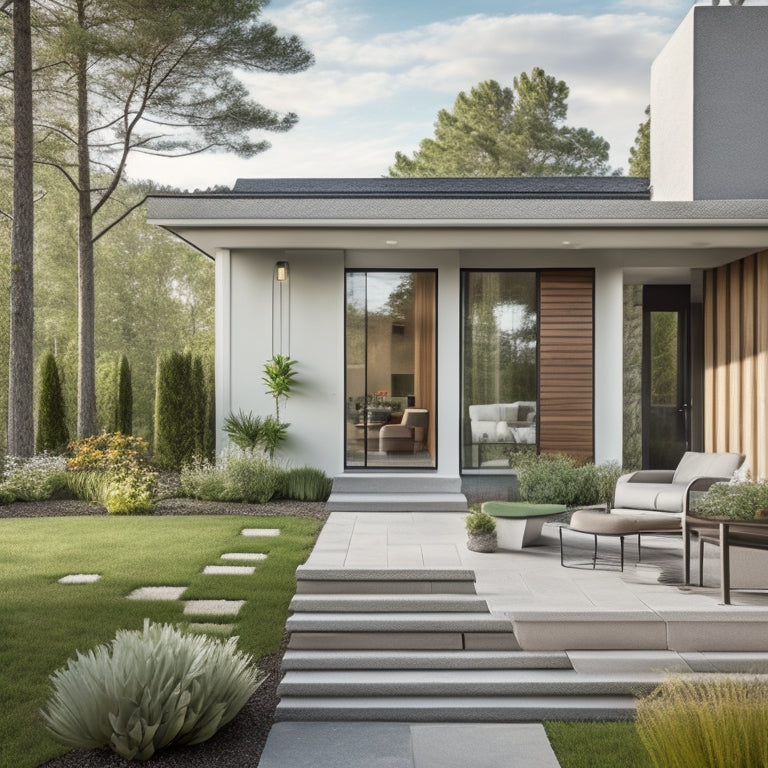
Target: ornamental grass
[707, 722]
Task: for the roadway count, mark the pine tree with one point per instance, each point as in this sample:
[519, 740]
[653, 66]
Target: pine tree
[52, 434]
[518, 131]
[640, 153]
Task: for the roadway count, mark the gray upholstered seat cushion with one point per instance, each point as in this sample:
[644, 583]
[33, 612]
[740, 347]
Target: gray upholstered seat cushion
[588, 521]
[658, 497]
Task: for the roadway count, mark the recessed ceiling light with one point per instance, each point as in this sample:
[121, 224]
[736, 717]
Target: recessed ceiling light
[391, 242]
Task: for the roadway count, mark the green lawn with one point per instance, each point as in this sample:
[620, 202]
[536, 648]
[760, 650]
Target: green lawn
[597, 745]
[44, 622]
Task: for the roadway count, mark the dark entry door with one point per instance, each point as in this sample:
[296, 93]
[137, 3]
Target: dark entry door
[666, 375]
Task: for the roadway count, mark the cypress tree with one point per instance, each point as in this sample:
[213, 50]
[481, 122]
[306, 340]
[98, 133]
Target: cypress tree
[209, 433]
[175, 416]
[197, 391]
[124, 403]
[52, 433]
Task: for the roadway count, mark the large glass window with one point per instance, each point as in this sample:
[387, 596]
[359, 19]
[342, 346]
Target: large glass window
[499, 366]
[390, 368]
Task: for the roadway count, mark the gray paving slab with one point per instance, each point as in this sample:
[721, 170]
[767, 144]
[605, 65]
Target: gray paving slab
[338, 745]
[482, 745]
[400, 745]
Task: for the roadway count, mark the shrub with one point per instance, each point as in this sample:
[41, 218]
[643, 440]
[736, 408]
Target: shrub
[733, 501]
[149, 689]
[106, 451]
[306, 484]
[242, 477]
[115, 473]
[713, 722]
[52, 433]
[251, 479]
[479, 523]
[203, 479]
[558, 479]
[32, 479]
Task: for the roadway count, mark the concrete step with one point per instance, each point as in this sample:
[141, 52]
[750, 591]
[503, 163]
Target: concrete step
[463, 683]
[402, 483]
[416, 660]
[397, 622]
[467, 709]
[389, 581]
[404, 641]
[408, 603]
[396, 502]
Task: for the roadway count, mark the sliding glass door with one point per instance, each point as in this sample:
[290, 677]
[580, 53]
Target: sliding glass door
[390, 368]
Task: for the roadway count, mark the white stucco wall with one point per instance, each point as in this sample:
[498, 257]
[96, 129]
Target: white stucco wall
[672, 117]
[609, 363]
[315, 411]
[709, 106]
[317, 337]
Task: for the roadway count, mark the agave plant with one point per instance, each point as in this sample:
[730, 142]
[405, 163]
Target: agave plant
[149, 689]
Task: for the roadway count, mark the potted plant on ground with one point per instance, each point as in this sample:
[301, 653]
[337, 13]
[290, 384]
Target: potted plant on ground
[481, 532]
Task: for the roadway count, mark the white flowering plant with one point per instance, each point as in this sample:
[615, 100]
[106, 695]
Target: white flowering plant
[35, 478]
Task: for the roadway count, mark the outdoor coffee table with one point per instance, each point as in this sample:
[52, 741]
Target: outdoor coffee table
[519, 524]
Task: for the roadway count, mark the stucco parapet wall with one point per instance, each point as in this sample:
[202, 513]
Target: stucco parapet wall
[233, 211]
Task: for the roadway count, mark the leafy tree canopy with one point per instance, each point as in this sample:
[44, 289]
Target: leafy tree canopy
[640, 153]
[518, 131]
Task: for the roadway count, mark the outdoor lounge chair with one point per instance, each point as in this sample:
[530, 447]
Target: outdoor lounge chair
[664, 490]
[653, 501]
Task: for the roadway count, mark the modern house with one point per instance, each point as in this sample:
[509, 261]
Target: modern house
[442, 325]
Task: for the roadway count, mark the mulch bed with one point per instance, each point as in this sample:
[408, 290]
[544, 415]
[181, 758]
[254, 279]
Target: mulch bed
[240, 743]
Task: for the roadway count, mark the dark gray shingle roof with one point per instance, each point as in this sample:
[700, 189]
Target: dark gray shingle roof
[540, 187]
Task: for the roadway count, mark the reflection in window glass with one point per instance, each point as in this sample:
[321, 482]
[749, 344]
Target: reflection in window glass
[390, 368]
[499, 368]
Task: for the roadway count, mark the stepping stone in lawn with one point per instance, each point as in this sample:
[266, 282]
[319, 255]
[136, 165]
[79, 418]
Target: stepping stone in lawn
[229, 570]
[213, 607]
[243, 556]
[80, 578]
[222, 630]
[260, 532]
[156, 593]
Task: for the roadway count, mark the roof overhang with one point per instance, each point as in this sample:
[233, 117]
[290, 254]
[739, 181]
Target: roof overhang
[717, 230]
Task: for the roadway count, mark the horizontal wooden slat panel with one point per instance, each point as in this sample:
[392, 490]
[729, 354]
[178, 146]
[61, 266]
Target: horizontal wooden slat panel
[566, 363]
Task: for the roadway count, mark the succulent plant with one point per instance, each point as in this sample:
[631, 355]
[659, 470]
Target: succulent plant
[149, 689]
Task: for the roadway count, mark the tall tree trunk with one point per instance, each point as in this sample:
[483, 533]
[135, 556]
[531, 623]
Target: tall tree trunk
[86, 389]
[21, 427]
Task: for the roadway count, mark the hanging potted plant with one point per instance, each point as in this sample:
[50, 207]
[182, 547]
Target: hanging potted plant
[481, 532]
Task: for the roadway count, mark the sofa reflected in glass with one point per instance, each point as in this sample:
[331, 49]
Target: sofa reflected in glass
[503, 422]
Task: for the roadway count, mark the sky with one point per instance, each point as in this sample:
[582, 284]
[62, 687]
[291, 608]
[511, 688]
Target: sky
[384, 68]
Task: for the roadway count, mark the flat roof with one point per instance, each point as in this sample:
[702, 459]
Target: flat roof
[540, 187]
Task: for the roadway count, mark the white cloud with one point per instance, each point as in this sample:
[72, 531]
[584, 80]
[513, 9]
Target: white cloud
[367, 97]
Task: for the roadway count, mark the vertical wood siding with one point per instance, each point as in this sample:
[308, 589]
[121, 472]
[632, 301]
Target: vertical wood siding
[566, 362]
[736, 360]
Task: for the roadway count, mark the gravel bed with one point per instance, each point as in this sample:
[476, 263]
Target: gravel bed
[240, 743]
